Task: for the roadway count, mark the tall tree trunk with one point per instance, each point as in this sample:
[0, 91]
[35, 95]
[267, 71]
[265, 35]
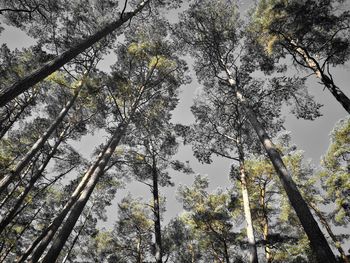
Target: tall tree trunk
[8, 178]
[317, 240]
[10, 215]
[328, 228]
[10, 122]
[253, 253]
[312, 63]
[46, 236]
[227, 257]
[139, 250]
[79, 205]
[75, 240]
[265, 225]
[19, 87]
[85, 188]
[156, 212]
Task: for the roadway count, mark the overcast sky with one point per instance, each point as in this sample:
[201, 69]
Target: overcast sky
[310, 136]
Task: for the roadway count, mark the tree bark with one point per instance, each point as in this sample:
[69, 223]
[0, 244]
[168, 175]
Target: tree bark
[85, 189]
[253, 253]
[156, 213]
[8, 178]
[265, 225]
[10, 215]
[19, 87]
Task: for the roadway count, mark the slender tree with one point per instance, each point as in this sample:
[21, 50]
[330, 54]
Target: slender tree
[6, 180]
[213, 40]
[313, 33]
[163, 75]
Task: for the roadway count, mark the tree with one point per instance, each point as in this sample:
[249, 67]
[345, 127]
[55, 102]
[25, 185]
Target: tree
[151, 81]
[313, 33]
[336, 170]
[180, 243]
[212, 40]
[9, 93]
[274, 214]
[6, 180]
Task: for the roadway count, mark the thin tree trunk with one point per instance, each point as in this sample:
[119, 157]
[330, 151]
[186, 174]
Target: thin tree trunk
[253, 253]
[325, 224]
[227, 257]
[39, 143]
[18, 183]
[46, 236]
[312, 63]
[265, 225]
[19, 236]
[156, 212]
[317, 240]
[79, 205]
[5, 128]
[139, 251]
[10, 215]
[19, 87]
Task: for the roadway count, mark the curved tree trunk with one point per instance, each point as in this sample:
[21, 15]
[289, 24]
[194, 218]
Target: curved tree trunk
[8, 178]
[156, 213]
[19, 87]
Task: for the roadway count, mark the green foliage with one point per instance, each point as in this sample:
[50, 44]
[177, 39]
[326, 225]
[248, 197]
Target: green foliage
[336, 171]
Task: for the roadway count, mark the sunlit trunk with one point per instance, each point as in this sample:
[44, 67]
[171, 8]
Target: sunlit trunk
[253, 253]
[317, 240]
[265, 225]
[75, 240]
[156, 213]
